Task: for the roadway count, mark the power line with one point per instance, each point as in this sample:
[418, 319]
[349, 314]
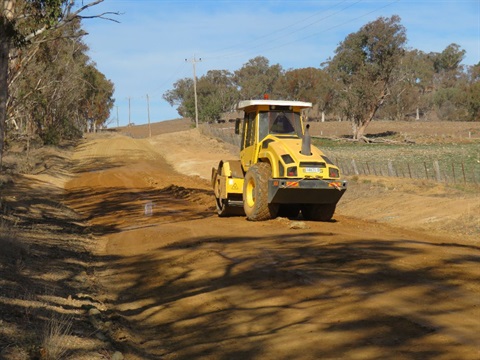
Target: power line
[169, 80]
[266, 48]
[290, 26]
[333, 27]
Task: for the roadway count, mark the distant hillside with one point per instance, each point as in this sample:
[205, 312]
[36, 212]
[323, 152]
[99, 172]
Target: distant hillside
[162, 127]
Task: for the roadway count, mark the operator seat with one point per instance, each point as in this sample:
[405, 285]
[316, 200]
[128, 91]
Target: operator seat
[282, 125]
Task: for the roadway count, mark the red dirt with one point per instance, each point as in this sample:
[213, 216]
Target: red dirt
[120, 236]
[181, 283]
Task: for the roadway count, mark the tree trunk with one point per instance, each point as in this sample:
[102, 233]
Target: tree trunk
[4, 51]
[6, 15]
[360, 124]
[359, 130]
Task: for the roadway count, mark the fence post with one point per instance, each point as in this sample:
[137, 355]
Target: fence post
[453, 173]
[390, 168]
[337, 162]
[354, 165]
[409, 171]
[464, 176]
[363, 169]
[426, 169]
[436, 167]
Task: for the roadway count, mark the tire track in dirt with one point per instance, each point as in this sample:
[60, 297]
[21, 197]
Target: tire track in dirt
[181, 283]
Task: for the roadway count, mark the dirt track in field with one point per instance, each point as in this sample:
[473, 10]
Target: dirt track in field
[180, 283]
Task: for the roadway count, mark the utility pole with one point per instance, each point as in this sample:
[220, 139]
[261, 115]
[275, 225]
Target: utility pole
[194, 61]
[129, 112]
[148, 112]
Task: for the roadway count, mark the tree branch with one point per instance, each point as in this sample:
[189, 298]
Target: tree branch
[68, 17]
[102, 16]
[76, 14]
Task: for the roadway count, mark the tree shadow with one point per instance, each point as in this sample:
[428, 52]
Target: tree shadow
[287, 295]
[45, 267]
[332, 295]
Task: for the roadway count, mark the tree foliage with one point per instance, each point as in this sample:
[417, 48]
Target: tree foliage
[372, 75]
[473, 92]
[364, 64]
[182, 96]
[257, 78]
[299, 84]
[48, 85]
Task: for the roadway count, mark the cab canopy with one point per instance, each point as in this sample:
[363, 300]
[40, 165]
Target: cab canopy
[276, 117]
[245, 104]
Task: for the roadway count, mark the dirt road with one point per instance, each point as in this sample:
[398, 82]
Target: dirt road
[180, 283]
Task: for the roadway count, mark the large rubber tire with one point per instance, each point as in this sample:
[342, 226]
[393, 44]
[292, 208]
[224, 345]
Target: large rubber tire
[223, 209]
[255, 193]
[318, 212]
[220, 204]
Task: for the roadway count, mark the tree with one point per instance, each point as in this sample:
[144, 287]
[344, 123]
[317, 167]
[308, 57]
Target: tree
[299, 84]
[410, 93]
[182, 96]
[307, 84]
[216, 94]
[97, 100]
[21, 22]
[327, 89]
[256, 78]
[449, 59]
[364, 64]
[473, 93]
[450, 80]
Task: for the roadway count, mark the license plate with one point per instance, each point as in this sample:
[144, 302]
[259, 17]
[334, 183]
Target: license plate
[312, 169]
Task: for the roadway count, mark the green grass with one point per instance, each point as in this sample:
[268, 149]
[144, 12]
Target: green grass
[456, 162]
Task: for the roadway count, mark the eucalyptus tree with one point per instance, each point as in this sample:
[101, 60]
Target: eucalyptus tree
[182, 96]
[97, 99]
[21, 23]
[450, 80]
[216, 92]
[299, 84]
[410, 95]
[473, 93]
[307, 84]
[257, 78]
[364, 65]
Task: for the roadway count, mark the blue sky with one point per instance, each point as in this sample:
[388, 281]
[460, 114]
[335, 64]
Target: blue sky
[145, 53]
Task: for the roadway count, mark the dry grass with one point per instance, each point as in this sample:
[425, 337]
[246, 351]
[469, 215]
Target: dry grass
[55, 343]
[40, 316]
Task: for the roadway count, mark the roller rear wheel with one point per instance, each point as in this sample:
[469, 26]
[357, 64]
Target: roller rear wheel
[255, 193]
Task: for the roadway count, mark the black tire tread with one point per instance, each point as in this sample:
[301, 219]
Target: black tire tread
[261, 173]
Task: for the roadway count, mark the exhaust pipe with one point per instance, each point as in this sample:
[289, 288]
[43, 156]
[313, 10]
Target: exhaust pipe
[306, 142]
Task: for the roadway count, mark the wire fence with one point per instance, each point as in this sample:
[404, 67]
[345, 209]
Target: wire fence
[450, 173]
[451, 169]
